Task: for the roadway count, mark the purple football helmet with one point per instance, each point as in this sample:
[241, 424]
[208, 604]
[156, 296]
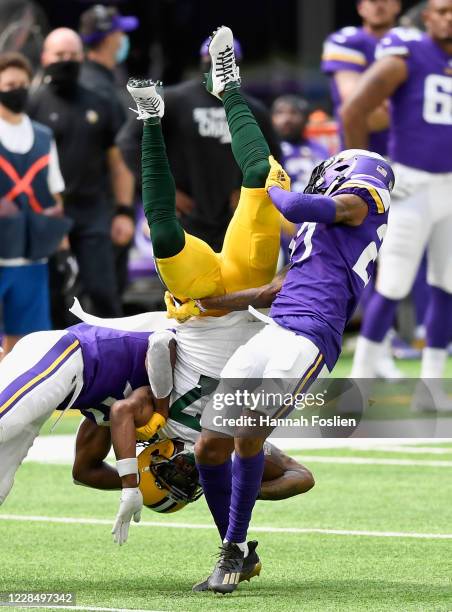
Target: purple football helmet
[327, 177]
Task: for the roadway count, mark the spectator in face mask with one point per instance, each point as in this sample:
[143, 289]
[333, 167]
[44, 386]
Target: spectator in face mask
[83, 124]
[31, 223]
[104, 33]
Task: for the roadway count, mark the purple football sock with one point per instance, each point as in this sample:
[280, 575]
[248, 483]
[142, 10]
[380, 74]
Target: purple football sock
[216, 481]
[246, 483]
[378, 318]
[438, 318]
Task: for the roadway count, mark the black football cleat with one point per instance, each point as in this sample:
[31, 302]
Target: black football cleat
[251, 567]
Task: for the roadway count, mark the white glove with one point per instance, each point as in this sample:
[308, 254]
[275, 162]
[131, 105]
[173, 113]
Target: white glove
[130, 505]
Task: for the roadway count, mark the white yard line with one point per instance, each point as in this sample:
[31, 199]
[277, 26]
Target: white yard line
[59, 449]
[371, 461]
[428, 450]
[172, 525]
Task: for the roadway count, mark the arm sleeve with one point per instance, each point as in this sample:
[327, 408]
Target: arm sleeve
[55, 179]
[301, 207]
[158, 363]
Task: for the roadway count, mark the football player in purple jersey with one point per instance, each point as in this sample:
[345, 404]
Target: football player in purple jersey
[414, 71]
[84, 367]
[348, 52]
[343, 215]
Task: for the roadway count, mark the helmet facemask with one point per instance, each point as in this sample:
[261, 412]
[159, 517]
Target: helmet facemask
[178, 475]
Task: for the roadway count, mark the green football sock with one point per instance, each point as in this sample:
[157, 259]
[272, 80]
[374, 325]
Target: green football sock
[159, 194]
[249, 146]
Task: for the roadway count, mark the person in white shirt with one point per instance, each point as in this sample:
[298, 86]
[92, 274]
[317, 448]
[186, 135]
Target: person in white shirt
[31, 208]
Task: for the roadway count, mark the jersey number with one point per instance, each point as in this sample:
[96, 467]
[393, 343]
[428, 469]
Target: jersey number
[438, 100]
[307, 240]
[369, 254]
[205, 387]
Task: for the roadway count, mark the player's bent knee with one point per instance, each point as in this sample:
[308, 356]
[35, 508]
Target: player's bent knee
[305, 482]
[212, 451]
[78, 474]
[248, 447]
[256, 175]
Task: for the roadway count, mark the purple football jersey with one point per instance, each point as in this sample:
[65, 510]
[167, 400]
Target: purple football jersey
[421, 108]
[330, 266]
[351, 49]
[113, 361]
[300, 159]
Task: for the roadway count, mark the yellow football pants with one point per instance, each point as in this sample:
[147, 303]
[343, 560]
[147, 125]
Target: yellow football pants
[248, 258]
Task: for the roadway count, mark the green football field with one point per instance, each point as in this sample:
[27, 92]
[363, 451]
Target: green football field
[374, 534]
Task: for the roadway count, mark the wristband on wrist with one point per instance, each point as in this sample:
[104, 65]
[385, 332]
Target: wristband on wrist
[127, 466]
[128, 211]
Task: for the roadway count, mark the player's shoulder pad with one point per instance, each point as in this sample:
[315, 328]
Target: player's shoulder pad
[343, 50]
[370, 189]
[399, 42]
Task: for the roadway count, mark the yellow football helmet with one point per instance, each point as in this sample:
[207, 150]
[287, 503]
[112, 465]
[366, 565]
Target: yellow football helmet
[168, 479]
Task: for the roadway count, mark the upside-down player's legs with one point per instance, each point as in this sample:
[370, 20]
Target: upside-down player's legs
[43, 370]
[187, 265]
[251, 245]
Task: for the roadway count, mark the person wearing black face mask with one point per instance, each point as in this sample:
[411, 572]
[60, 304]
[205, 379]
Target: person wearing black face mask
[62, 76]
[84, 126]
[31, 222]
[104, 34]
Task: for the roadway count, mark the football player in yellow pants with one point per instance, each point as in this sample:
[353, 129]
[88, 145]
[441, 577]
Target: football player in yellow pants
[187, 265]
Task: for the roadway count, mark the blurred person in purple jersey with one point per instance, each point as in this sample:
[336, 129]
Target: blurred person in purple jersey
[414, 70]
[349, 52]
[346, 56]
[343, 213]
[299, 154]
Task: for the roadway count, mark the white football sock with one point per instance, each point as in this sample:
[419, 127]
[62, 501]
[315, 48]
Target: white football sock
[367, 354]
[242, 545]
[433, 362]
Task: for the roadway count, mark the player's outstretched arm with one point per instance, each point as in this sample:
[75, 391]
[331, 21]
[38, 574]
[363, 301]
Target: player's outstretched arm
[375, 86]
[283, 476]
[312, 207]
[259, 297]
[125, 416]
[92, 445]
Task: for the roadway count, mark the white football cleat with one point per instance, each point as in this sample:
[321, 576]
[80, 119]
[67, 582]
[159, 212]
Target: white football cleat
[224, 73]
[148, 97]
[430, 396]
[387, 369]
